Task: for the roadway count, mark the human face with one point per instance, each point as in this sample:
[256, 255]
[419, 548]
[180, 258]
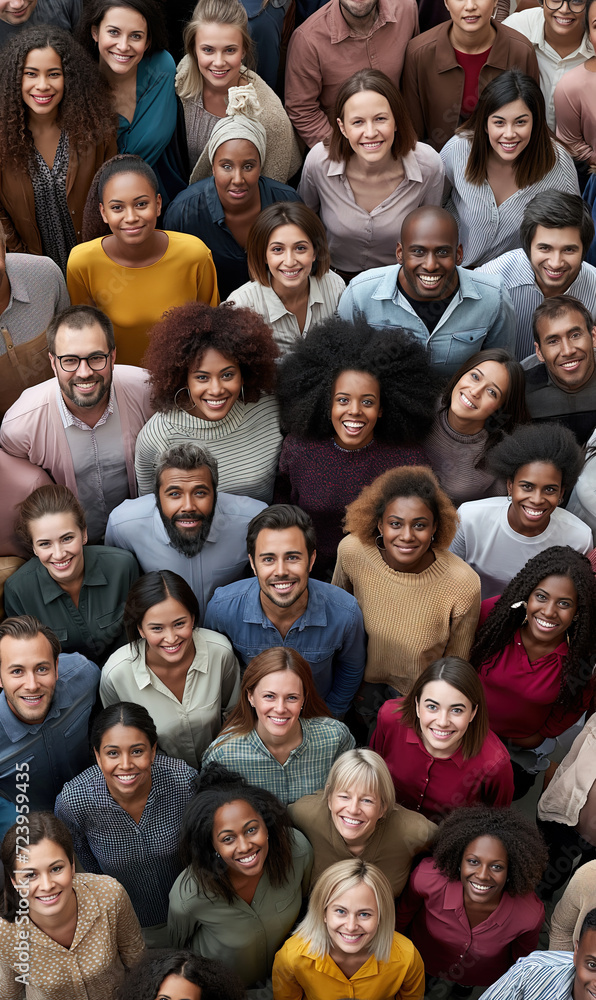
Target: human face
[122, 39]
[46, 870]
[352, 920]
[407, 528]
[130, 208]
[28, 673]
[552, 606]
[428, 255]
[236, 170]
[240, 837]
[483, 870]
[58, 543]
[16, 11]
[42, 85]
[591, 21]
[556, 258]
[567, 349]
[83, 388]
[219, 50]
[214, 384]
[369, 126]
[510, 130]
[125, 758]
[444, 714]
[563, 28]
[479, 392]
[186, 501]
[584, 959]
[167, 629]
[357, 8]
[355, 812]
[282, 566]
[470, 17]
[536, 492]
[355, 409]
[178, 988]
[290, 256]
[278, 699]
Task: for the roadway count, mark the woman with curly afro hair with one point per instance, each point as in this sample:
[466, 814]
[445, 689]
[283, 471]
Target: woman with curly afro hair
[160, 973]
[534, 652]
[496, 536]
[472, 909]
[419, 602]
[356, 401]
[57, 126]
[212, 373]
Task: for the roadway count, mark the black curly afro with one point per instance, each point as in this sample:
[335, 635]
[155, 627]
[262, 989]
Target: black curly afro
[547, 442]
[143, 980]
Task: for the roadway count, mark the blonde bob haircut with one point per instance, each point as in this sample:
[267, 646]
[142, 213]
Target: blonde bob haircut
[189, 82]
[285, 213]
[364, 770]
[335, 880]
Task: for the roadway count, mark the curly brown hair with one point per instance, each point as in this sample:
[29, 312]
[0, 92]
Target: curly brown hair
[364, 513]
[86, 112]
[185, 333]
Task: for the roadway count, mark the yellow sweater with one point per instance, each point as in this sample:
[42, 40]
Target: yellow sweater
[411, 619]
[135, 298]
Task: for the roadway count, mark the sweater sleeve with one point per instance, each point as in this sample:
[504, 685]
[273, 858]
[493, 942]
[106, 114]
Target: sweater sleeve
[567, 912]
[148, 445]
[463, 629]
[569, 119]
[340, 576]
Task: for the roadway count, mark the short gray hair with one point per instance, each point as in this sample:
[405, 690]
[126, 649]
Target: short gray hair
[187, 456]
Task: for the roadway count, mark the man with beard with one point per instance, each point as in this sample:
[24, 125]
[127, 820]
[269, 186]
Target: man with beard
[187, 526]
[81, 427]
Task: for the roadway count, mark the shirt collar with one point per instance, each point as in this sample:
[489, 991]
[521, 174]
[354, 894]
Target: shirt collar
[69, 419]
[339, 28]
[413, 737]
[534, 31]
[142, 674]
[93, 576]
[276, 308]
[16, 729]
[315, 614]
[218, 525]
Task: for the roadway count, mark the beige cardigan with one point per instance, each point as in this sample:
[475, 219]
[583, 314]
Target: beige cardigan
[568, 915]
[567, 793]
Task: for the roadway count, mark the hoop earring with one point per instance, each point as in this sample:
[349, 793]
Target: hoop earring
[176, 403]
[381, 546]
[242, 392]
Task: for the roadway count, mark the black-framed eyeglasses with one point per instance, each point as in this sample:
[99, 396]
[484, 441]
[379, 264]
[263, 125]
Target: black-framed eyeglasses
[574, 5]
[70, 362]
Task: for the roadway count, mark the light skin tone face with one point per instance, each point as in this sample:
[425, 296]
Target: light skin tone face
[219, 52]
[16, 11]
[471, 23]
[369, 127]
[236, 169]
[509, 131]
[290, 257]
[536, 492]
[355, 409]
[355, 812]
[58, 544]
[478, 394]
[178, 988]
[187, 497]
[85, 391]
[592, 32]
[214, 384]
[167, 629]
[567, 348]
[278, 699]
[240, 837]
[122, 40]
[407, 528]
[429, 253]
[552, 606]
[445, 714]
[42, 86]
[131, 208]
[28, 673]
[352, 920]
[282, 567]
[125, 758]
[556, 258]
[584, 959]
[47, 872]
[483, 870]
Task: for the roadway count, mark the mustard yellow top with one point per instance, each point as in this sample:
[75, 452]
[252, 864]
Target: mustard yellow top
[135, 298]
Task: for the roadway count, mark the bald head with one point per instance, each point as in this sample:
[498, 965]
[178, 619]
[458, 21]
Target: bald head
[429, 218]
[428, 254]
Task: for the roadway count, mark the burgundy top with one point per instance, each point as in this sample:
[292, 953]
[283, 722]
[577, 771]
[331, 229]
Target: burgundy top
[471, 65]
[521, 695]
[441, 931]
[436, 785]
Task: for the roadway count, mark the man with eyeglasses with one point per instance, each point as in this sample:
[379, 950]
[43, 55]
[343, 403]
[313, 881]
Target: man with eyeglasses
[81, 427]
[556, 30]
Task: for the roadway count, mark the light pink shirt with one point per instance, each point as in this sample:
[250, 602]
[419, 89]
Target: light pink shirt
[575, 108]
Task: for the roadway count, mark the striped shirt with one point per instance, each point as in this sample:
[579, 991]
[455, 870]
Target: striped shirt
[246, 443]
[486, 229]
[304, 772]
[543, 975]
[519, 279]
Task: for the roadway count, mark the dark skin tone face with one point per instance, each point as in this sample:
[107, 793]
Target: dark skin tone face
[429, 253]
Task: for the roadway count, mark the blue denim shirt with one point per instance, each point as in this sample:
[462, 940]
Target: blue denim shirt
[479, 316]
[329, 635]
[56, 749]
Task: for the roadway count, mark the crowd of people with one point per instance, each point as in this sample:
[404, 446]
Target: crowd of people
[298, 493]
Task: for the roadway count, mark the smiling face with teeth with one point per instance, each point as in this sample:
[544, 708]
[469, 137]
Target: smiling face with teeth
[355, 409]
[584, 960]
[429, 253]
[536, 491]
[509, 131]
[290, 257]
[214, 384]
[566, 346]
[483, 871]
[282, 566]
[563, 28]
[552, 606]
[58, 543]
[122, 39]
[125, 757]
[28, 673]
[444, 714]
[167, 628]
[277, 700]
[42, 86]
[47, 872]
[352, 920]
[355, 812]
[241, 839]
[85, 391]
[369, 126]
[16, 11]
[556, 258]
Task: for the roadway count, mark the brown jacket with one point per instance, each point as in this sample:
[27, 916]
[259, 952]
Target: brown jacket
[432, 82]
[17, 202]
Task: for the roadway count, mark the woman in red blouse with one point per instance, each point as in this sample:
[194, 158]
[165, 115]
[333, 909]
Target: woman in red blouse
[533, 651]
[437, 744]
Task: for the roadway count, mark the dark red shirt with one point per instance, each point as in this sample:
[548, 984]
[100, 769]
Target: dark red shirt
[471, 65]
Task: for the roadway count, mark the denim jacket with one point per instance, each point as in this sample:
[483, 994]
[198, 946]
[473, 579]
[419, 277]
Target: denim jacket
[479, 316]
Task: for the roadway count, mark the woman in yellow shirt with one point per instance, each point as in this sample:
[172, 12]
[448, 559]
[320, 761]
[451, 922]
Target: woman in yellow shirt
[138, 272]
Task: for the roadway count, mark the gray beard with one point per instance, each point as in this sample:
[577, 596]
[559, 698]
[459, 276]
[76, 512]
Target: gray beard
[187, 545]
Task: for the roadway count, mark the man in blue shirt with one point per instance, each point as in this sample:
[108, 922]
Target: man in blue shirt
[44, 718]
[452, 311]
[284, 607]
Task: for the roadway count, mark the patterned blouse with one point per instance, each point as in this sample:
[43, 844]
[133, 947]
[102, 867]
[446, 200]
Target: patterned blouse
[52, 213]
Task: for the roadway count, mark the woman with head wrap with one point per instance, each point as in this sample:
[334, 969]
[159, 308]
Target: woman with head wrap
[222, 208]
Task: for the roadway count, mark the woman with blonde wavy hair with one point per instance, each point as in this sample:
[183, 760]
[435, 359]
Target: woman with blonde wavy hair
[347, 941]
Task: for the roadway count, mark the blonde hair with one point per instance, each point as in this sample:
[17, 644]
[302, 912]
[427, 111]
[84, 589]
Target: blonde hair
[363, 769]
[189, 82]
[335, 880]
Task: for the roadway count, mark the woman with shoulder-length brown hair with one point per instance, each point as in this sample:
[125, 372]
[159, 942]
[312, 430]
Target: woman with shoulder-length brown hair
[437, 743]
[501, 158]
[418, 602]
[292, 287]
[280, 736]
[372, 175]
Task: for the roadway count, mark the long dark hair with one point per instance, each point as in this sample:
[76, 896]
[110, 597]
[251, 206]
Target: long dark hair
[40, 826]
[94, 12]
[152, 589]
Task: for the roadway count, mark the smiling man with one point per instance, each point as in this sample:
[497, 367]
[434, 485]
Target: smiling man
[452, 311]
[16, 14]
[556, 232]
[186, 526]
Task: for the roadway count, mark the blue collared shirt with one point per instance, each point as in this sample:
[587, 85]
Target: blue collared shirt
[543, 975]
[329, 635]
[480, 315]
[56, 749]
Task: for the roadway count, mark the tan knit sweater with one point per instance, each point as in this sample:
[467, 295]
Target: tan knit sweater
[411, 618]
